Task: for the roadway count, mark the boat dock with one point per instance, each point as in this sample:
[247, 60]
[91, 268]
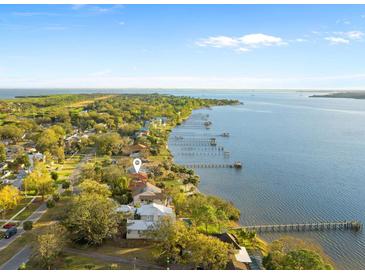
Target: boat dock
[207, 165]
[318, 226]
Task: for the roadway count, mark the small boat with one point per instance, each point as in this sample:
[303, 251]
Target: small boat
[207, 123]
[225, 134]
[213, 142]
[237, 164]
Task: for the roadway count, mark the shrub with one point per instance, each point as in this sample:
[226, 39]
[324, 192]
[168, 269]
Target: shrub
[113, 267]
[22, 266]
[54, 175]
[56, 197]
[28, 225]
[51, 203]
[89, 266]
[65, 184]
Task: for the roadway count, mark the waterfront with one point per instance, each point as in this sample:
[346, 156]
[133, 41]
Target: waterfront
[303, 161]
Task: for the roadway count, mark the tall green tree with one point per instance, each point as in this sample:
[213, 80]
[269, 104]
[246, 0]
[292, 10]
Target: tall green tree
[91, 219]
[39, 180]
[177, 243]
[9, 198]
[11, 132]
[2, 152]
[50, 244]
[295, 254]
[93, 187]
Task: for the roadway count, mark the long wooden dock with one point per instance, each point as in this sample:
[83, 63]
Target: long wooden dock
[209, 165]
[317, 226]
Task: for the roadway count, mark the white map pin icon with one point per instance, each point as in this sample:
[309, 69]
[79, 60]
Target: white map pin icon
[137, 163]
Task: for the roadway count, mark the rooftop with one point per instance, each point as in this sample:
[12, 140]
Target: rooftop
[139, 225]
[154, 209]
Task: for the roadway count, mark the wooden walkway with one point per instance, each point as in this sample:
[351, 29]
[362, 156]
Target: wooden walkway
[208, 165]
[318, 226]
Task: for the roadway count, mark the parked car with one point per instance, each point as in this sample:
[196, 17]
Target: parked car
[8, 225]
[10, 232]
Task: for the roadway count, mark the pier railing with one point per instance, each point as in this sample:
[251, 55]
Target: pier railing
[208, 165]
[317, 226]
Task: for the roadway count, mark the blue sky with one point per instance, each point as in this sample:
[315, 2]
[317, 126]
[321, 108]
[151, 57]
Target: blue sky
[182, 46]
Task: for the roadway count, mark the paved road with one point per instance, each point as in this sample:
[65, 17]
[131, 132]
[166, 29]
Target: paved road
[21, 257]
[114, 259]
[36, 215]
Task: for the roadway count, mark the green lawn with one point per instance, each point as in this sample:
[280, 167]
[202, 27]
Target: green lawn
[10, 213]
[64, 170]
[126, 249]
[75, 262]
[30, 237]
[29, 210]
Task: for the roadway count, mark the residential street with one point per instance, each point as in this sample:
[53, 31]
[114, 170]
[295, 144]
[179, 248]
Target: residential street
[24, 254]
[36, 215]
[21, 257]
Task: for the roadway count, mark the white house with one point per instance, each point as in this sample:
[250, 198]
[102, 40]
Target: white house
[154, 212]
[136, 229]
[149, 215]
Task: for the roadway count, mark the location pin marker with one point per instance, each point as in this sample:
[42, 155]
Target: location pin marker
[137, 163]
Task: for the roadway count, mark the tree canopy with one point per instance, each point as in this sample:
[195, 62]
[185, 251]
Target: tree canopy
[295, 254]
[39, 180]
[178, 243]
[9, 198]
[91, 218]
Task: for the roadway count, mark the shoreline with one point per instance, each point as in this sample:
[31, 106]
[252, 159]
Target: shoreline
[263, 243]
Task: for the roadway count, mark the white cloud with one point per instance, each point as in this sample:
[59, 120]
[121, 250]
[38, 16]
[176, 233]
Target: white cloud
[243, 43]
[300, 40]
[96, 9]
[77, 6]
[355, 34]
[345, 37]
[337, 40]
[242, 50]
[218, 42]
[261, 40]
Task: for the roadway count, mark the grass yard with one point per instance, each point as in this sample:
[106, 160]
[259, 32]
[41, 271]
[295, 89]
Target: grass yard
[10, 213]
[30, 237]
[126, 248]
[30, 209]
[64, 170]
[69, 261]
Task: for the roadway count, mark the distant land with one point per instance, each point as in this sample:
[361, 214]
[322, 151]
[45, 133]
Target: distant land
[350, 94]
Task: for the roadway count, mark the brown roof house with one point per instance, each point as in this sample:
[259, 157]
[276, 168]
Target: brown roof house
[146, 193]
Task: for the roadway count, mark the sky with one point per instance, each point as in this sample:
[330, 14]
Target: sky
[182, 46]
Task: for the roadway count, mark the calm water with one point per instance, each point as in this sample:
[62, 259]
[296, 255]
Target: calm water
[303, 158]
